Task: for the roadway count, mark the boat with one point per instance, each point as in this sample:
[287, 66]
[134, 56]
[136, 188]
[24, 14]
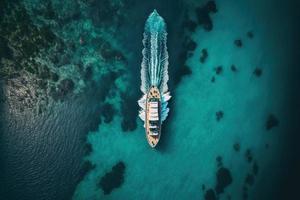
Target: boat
[154, 77]
[153, 118]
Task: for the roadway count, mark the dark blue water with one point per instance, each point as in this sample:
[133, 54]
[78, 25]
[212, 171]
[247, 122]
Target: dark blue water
[41, 154]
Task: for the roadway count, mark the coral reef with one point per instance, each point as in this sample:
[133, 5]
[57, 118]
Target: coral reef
[113, 179]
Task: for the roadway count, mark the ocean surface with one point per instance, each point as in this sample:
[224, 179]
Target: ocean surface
[70, 81]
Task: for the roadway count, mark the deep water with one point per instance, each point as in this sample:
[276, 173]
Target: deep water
[68, 106]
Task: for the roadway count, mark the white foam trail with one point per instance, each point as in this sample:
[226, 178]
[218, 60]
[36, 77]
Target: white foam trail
[154, 70]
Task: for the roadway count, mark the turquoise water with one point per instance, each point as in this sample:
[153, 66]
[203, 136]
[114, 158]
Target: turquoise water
[194, 138]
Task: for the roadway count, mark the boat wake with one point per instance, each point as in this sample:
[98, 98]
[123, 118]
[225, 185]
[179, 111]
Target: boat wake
[154, 70]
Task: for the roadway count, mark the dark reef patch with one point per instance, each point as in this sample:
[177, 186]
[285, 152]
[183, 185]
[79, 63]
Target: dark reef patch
[257, 72]
[129, 110]
[190, 25]
[94, 124]
[203, 56]
[87, 166]
[219, 70]
[250, 176]
[102, 91]
[238, 43]
[210, 195]
[189, 44]
[219, 115]
[88, 148]
[219, 161]
[113, 179]
[233, 68]
[255, 168]
[213, 79]
[236, 147]
[248, 155]
[249, 179]
[250, 34]
[245, 193]
[223, 179]
[271, 122]
[203, 15]
[108, 112]
[181, 71]
[182, 49]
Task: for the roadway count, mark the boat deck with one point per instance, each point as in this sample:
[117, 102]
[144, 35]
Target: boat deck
[152, 97]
